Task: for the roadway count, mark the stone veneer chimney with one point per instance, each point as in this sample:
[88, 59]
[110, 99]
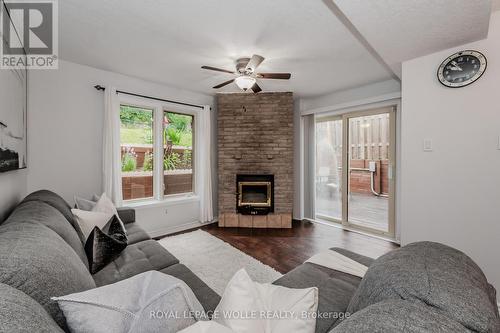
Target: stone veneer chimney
[255, 136]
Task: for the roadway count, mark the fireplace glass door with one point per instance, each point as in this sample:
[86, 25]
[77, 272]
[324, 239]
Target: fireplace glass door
[255, 194]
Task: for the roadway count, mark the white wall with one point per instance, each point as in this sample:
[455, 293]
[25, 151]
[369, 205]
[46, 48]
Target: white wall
[12, 190]
[65, 135]
[350, 97]
[452, 195]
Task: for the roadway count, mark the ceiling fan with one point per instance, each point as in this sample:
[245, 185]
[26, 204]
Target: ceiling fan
[247, 77]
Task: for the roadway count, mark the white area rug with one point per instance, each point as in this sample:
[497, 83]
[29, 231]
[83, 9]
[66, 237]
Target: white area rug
[215, 261]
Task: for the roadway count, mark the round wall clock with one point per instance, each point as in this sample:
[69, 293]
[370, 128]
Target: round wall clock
[462, 68]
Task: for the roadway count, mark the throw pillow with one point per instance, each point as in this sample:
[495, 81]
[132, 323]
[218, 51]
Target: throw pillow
[105, 205]
[84, 204]
[105, 245]
[88, 220]
[248, 306]
[207, 327]
[147, 302]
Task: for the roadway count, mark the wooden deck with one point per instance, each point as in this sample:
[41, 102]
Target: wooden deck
[364, 210]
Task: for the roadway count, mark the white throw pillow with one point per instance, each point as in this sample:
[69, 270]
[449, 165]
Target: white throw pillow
[84, 204]
[148, 302]
[105, 205]
[87, 221]
[207, 327]
[248, 306]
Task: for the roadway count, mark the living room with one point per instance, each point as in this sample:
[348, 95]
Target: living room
[336, 159]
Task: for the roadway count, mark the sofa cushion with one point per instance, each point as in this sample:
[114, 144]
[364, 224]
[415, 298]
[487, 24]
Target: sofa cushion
[36, 260]
[135, 259]
[147, 302]
[335, 290]
[396, 316]
[21, 313]
[135, 233]
[207, 297]
[42, 213]
[127, 215]
[58, 203]
[434, 274]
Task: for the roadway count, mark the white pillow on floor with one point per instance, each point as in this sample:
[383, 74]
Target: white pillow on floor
[248, 306]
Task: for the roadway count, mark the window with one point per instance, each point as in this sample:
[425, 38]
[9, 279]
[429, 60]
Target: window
[157, 151]
[178, 153]
[137, 151]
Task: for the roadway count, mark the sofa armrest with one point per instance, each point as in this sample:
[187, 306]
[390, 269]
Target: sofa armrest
[126, 214]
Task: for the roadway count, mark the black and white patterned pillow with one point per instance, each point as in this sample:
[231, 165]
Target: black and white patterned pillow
[104, 246]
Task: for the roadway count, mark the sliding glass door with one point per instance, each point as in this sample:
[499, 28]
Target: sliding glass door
[354, 181]
[329, 168]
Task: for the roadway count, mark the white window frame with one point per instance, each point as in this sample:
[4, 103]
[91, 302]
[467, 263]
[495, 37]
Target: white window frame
[159, 108]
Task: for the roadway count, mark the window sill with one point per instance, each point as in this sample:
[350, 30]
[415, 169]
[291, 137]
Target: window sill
[168, 201]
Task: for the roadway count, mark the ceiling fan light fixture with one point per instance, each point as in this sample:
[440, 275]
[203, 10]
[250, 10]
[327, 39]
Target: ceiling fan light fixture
[245, 82]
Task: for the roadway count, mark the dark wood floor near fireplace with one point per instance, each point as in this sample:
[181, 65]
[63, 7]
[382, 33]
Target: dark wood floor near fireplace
[285, 249]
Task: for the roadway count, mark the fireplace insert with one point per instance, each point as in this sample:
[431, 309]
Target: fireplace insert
[255, 194]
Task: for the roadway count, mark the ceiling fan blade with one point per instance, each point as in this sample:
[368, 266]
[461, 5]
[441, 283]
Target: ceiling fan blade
[210, 68]
[256, 88]
[254, 62]
[223, 84]
[278, 76]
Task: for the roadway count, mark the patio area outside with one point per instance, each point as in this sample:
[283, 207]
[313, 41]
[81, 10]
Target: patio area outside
[365, 210]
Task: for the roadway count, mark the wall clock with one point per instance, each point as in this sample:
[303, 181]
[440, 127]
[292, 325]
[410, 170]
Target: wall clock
[462, 68]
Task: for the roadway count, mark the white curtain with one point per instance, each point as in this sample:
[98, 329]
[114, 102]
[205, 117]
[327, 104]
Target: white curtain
[111, 159]
[309, 165]
[204, 166]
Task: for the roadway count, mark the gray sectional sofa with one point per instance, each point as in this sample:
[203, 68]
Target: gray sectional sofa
[422, 287]
[41, 256]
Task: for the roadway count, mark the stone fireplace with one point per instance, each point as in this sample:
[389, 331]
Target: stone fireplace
[255, 160]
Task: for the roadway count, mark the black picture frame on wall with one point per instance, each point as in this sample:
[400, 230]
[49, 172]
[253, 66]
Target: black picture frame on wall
[13, 115]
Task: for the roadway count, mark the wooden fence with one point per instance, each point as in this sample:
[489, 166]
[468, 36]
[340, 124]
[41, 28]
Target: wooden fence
[368, 137]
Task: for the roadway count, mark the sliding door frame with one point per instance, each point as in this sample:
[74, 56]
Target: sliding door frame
[391, 169]
[345, 117]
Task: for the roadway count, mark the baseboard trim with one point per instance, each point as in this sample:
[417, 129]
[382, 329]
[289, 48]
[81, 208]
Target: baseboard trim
[158, 234]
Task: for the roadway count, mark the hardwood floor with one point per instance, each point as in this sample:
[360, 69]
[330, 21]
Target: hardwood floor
[285, 249]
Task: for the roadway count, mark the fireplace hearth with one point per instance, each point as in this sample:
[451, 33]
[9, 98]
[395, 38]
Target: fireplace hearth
[255, 194]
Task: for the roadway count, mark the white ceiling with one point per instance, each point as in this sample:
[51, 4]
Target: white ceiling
[400, 30]
[168, 41]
